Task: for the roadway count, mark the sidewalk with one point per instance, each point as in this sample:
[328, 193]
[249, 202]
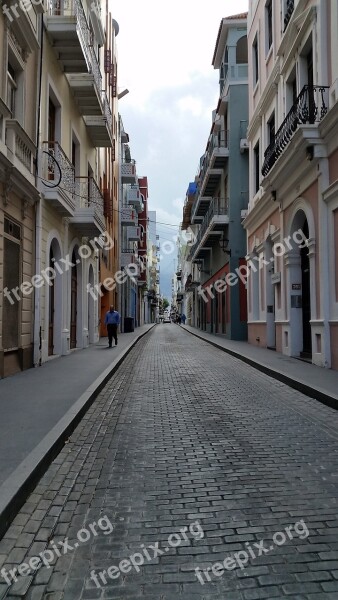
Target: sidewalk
[316, 382]
[40, 408]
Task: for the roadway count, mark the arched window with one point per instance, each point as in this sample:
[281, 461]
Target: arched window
[242, 50]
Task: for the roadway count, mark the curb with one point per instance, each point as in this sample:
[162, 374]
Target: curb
[17, 487]
[317, 393]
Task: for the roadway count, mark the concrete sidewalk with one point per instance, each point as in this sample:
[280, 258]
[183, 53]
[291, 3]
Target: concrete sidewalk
[40, 408]
[316, 382]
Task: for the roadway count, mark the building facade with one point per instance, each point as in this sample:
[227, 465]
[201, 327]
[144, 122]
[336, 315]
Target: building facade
[20, 58]
[213, 209]
[59, 179]
[292, 221]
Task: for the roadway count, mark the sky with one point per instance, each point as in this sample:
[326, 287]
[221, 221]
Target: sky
[164, 60]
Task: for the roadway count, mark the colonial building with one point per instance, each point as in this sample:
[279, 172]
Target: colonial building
[59, 179]
[214, 209]
[292, 223]
[20, 58]
[76, 122]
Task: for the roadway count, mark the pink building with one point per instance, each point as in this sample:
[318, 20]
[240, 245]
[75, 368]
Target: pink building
[292, 220]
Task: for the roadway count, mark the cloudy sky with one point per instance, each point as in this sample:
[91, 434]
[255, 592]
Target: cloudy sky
[164, 60]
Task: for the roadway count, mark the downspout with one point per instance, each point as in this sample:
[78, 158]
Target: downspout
[37, 339]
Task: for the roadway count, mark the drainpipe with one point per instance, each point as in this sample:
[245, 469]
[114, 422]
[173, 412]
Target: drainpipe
[37, 332]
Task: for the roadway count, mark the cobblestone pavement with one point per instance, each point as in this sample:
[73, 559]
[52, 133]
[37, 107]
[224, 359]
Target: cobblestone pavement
[188, 457]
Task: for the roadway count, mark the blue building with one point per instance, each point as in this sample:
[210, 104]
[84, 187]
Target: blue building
[215, 301]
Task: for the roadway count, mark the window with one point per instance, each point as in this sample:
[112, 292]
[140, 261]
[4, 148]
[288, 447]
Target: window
[271, 129]
[255, 60]
[12, 87]
[242, 51]
[256, 168]
[268, 25]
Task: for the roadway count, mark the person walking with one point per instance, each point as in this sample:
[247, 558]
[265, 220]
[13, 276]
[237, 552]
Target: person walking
[112, 320]
[183, 318]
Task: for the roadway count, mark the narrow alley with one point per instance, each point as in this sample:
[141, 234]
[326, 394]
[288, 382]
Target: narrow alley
[191, 476]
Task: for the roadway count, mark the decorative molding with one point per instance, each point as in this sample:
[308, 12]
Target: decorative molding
[24, 205]
[7, 186]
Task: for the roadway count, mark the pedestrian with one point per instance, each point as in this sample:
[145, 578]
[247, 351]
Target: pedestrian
[178, 319]
[112, 320]
[183, 318]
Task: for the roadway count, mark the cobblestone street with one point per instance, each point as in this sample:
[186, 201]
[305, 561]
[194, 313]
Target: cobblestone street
[185, 440]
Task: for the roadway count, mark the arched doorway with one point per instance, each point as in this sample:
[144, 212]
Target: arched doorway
[299, 266]
[306, 296]
[91, 307]
[54, 300]
[73, 303]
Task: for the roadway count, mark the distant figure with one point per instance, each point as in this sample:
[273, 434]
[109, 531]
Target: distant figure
[178, 319]
[183, 318]
[112, 320]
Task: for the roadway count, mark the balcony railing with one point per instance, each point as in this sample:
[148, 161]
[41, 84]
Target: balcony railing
[88, 193]
[289, 8]
[217, 142]
[218, 206]
[57, 168]
[107, 111]
[20, 144]
[310, 107]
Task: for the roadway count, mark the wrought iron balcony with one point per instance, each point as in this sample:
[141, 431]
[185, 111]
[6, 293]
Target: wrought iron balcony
[214, 220]
[58, 178]
[290, 5]
[89, 212]
[310, 107]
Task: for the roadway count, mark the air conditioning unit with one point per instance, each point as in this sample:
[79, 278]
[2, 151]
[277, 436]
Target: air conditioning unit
[243, 145]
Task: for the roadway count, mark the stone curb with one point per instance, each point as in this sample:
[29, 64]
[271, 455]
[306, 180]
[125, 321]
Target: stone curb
[317, 393]
[17, 487]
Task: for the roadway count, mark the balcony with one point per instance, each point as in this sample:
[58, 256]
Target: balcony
[100, 127]
[68, 31]
[235, 73]
[128, 216]
[213, 163]
[310, 108]
[213, 226]
[127, 258]
[134, 197]
[88, 216]
[57, 178]
[189, 201]
[87, 86]
[128, 172]
[20, 149]
[133, 234]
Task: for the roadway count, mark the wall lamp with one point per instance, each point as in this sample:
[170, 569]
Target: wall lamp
[121, 94]
[224, 242]
[309, 153]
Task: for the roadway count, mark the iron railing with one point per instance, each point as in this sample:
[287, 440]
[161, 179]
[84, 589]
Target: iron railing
[217, 141]
[218, 206]
[56, 167]
[89, 193]
[310, 107]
